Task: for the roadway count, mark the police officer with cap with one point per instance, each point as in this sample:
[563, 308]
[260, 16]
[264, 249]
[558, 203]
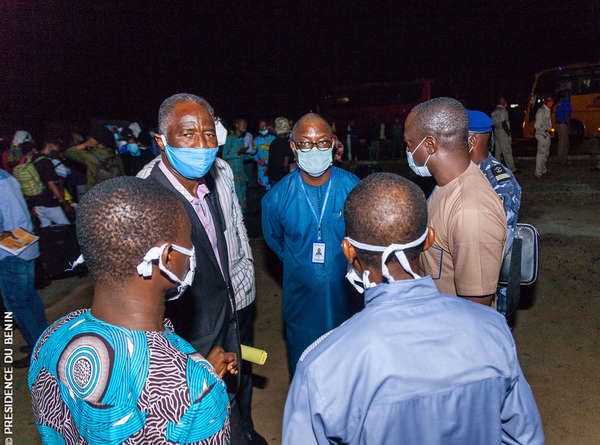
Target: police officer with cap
[501, 178]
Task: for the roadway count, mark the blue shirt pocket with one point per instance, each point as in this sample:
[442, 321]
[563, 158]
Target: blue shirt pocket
[437, 258]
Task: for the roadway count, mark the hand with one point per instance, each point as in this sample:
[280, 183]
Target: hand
[91, 142]
[222, 361]
[68, 209]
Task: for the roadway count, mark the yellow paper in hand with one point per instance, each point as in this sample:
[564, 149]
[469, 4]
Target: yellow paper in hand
[254, 355]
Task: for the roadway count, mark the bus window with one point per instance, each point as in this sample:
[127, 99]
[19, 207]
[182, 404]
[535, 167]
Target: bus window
[590, 82]
[566, 82]
[583, 83]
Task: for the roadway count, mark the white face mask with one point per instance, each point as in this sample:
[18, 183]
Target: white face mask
[155, 253]
[363, 283]
[315, 162]
[420, 170]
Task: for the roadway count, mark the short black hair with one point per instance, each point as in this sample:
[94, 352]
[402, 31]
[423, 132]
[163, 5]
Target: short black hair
[168, 105]
[119, 220]
[444, 118]
[385, 208]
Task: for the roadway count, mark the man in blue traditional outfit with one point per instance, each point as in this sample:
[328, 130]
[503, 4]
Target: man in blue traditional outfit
[501, 179]
[302, 221]
[414, 366]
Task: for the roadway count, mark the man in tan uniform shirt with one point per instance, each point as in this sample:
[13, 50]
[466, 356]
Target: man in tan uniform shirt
[464, 211]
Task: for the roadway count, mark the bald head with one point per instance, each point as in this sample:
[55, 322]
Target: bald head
[443, 118]
[385, 208]
[308, 121]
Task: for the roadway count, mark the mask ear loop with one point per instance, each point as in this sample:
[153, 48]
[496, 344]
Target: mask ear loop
[426, 160]
[189, 277]
[145, 267]
[366, 282]
[221, 133]
[398, 249]
[74, 264]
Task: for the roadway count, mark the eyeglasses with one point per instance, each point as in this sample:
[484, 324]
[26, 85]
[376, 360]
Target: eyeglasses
[323, 145]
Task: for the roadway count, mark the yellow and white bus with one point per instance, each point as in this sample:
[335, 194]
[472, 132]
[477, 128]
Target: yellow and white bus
[583, 83]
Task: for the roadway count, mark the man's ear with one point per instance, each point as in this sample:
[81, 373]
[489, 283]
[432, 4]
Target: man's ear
[472, 141]
[430, 238]
[293, 148]
[167, 254]
[431, 145]
[350, 253]
[159, 141]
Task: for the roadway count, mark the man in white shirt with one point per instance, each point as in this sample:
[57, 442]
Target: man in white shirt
[543, 125]
[502, 134]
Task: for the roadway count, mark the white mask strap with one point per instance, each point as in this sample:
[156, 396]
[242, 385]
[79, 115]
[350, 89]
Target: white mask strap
[419, 146]
[399, 252]
[74, 264]
[359, 283]
[155, 253]
[221, 133]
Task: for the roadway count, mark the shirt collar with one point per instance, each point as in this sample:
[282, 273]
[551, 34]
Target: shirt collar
[201, 191]
[403, 290]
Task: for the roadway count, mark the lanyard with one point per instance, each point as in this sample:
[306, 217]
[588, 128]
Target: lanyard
[320, 219]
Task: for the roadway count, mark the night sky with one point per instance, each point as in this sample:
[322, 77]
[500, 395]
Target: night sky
[73, 60]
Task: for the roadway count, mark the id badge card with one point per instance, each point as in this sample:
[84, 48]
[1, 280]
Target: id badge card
[318, 252]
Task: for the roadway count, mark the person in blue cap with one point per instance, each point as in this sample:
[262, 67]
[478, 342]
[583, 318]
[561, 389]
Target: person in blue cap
[501, 178]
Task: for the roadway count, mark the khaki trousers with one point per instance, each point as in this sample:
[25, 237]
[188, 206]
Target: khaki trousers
[503, 147]
[563, 142]
[543, 151]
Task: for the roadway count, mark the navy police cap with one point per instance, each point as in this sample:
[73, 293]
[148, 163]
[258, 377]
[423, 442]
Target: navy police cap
[479, 122]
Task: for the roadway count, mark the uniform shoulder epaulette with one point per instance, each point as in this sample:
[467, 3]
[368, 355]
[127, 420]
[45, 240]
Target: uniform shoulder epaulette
[500, 173]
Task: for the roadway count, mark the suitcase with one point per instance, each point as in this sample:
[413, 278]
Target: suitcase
[58, 249]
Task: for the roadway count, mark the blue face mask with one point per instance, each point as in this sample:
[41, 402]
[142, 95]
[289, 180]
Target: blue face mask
[134, 149]
[191, 163]
[264, 132]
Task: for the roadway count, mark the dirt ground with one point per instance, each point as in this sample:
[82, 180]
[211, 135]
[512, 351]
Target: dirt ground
[557, 329]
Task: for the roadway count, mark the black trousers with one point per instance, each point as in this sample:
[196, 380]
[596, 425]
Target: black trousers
[244, 396]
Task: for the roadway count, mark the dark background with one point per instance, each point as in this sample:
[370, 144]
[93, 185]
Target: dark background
[73, 60]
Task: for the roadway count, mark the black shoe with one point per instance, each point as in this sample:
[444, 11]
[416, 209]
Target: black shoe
[22, 362]
[256, 439]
